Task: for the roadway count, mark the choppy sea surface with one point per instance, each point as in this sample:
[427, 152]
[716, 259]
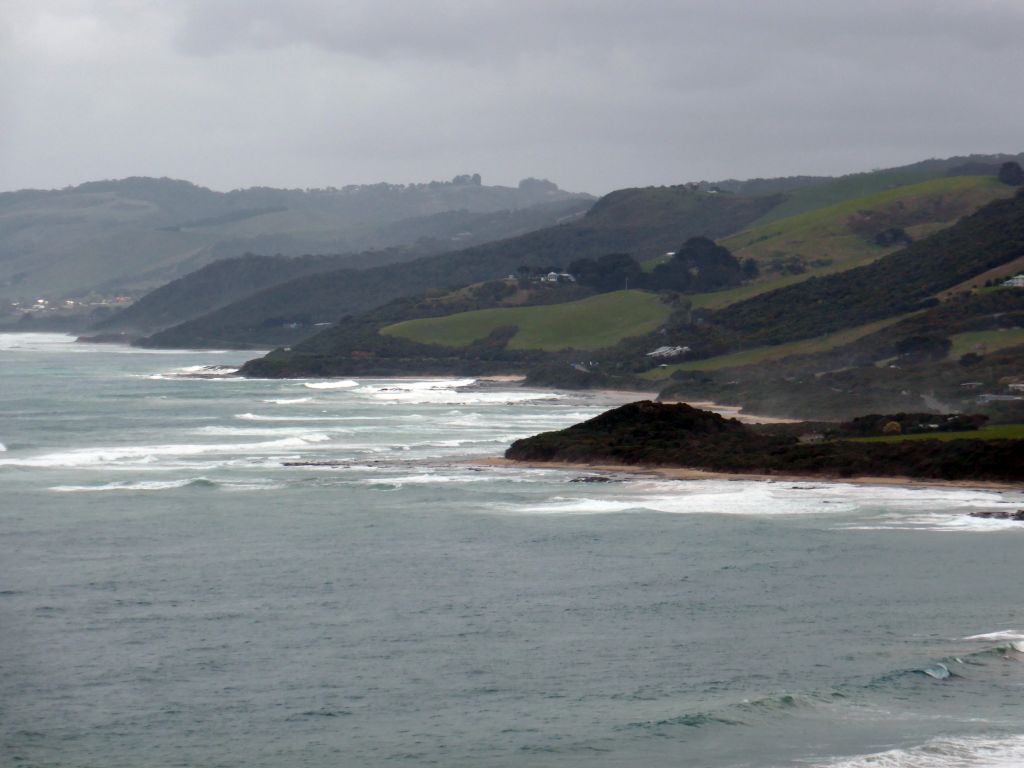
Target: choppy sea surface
[201, 570]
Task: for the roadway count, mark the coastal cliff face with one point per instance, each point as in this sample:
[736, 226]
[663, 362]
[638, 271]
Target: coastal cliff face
[659, 434]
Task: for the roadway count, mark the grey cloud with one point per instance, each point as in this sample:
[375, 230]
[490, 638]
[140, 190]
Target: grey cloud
[500, 29]
[592, 93]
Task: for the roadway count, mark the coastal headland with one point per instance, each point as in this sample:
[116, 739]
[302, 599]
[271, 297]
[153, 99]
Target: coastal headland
[682, 442]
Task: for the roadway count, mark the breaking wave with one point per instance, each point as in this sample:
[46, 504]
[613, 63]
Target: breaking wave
[343, 384]
[696, 497]
[152, 485]
[150, 454]
[1014, 639]
[192, 372]
[262, 417]
[168, 485]
[966, 752]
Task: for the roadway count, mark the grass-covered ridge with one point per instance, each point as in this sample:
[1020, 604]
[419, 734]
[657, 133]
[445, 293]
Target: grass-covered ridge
[843, 232]
[855, 185]
[591, 323]
[895, 284]
[841, 236]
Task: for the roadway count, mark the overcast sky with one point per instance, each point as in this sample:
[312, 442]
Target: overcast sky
[593, 94]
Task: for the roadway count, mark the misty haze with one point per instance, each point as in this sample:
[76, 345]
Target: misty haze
[511, 384]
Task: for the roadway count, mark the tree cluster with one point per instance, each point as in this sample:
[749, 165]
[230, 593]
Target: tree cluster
[698, 266]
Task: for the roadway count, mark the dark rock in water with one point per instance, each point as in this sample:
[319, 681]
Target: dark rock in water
[595, 479]
[999, 514]
[316, 463]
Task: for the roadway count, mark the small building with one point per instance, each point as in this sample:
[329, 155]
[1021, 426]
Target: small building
[558, 277]
[983, 399]
[1017, 281]
[667, 352]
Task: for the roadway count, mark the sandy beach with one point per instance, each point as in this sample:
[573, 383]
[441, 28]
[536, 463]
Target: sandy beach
[690, 473]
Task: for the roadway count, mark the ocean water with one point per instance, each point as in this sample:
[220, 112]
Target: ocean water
[199, 570]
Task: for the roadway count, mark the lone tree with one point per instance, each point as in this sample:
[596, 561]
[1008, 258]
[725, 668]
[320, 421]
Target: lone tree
[1011, 173]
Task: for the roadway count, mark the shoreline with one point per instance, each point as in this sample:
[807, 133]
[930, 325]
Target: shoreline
[692, 473]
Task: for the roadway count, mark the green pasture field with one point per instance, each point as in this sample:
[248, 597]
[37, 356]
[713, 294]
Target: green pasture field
[982, 342]
[591, 323]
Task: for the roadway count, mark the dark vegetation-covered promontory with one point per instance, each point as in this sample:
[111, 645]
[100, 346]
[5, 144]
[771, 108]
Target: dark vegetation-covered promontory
[660, 434]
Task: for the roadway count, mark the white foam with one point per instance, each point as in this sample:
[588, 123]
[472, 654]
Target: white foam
[1005, 634]
[2, 447]
[205, 370]
[152, 485]
[427, 385]
[254, 486]
[949, 522]
[301, 417]
[721, 497]
[150, 454]
[343, 384]
[559, 506]
[264, 431]
[180, 376]
[450, 392]
[289, 400]
[967, 752]
[430, 479]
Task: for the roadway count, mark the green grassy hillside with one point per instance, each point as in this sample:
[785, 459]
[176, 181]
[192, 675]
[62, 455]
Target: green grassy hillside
[857, 185]
[841, 236]
[844, 233]
[983, 342]
[891, 285]
[771, 353]
[592, 323]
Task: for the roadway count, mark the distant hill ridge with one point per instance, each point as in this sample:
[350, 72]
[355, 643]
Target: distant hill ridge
[644, 221]
[233, 279]
[132, 235]
[837, 238]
